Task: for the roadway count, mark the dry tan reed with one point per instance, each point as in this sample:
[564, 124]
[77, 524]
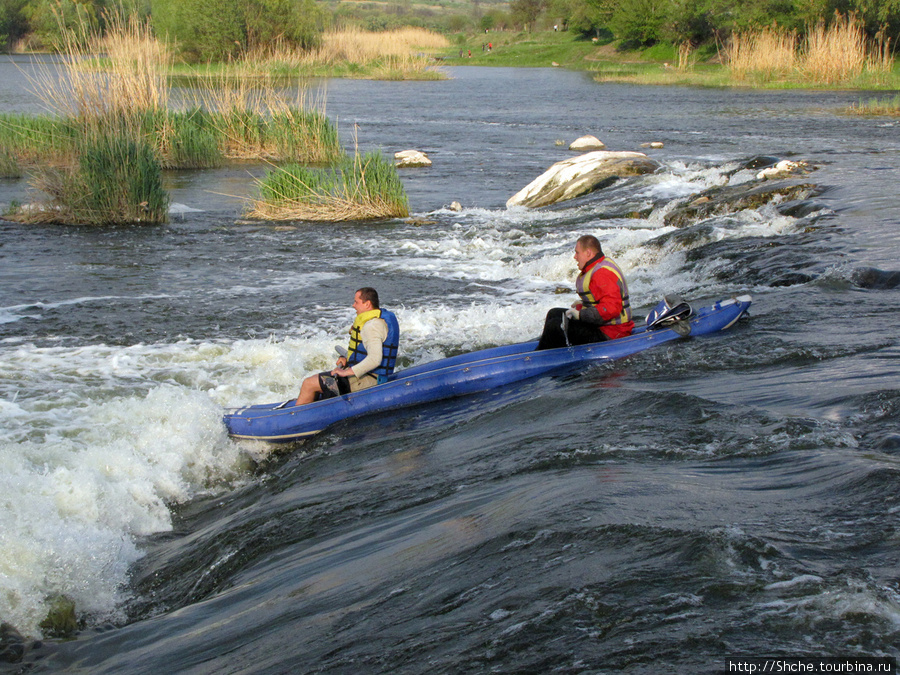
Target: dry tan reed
[402, 51]
[881, 57]
[769, 53]
[328, 209]
[837, 53]
[359, 46]
[120, 74]
[687, 57]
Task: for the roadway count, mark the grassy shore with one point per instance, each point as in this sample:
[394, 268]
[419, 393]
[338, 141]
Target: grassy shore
[662, 64]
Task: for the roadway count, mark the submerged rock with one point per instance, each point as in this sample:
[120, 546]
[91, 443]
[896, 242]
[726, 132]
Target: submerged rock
[872, 277]
[574, 177]
[729, 199]
[12, 644]
[60, 621]
[759, 162]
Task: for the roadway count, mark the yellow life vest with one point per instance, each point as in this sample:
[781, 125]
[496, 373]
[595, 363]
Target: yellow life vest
[356, 351]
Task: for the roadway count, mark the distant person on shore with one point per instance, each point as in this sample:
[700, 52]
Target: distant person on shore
[604, 312]
[371, 355]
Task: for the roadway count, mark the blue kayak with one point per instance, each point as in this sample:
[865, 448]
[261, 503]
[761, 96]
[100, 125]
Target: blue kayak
[465, 374]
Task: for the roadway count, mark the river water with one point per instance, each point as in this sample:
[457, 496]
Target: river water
[730, 496]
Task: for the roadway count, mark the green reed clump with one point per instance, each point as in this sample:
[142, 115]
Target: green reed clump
[359, 188]
[115, 180]
[283, 135]
[34, 139]
[877, 106]
[9, 165]
[187, 140]
[306, 136]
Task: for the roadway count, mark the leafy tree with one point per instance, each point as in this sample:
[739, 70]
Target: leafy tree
[219, 29]
[297, 22]
[591, 17]
[457, 23]
[13, 23]
[526, 12]
[494, 19]
[642, 21]
[201, 29]
[48, 20]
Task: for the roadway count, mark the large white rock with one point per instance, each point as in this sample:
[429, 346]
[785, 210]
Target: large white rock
[574, 177]
[407, 158]
[586, 144]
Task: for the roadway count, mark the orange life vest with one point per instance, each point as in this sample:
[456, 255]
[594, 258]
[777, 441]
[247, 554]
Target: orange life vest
[583, 287]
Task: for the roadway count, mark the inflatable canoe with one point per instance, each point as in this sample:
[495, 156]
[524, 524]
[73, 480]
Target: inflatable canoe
[469, 373]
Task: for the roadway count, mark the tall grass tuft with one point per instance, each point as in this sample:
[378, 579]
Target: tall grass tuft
[115, 180]
[360, 188]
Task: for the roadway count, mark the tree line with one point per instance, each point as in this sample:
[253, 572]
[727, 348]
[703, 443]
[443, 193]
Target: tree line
[645, 22]
[207, 30]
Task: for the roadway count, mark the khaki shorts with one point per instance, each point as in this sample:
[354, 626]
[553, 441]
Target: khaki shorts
[339, 385]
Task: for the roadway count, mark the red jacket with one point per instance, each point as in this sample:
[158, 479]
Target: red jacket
[608, 294]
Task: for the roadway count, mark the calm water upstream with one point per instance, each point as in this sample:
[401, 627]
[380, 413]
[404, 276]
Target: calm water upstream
[737, 495]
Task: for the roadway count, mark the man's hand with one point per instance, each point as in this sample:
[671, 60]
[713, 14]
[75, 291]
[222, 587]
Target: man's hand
[572, 314]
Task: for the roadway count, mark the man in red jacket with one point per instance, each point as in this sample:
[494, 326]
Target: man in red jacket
[604, 312]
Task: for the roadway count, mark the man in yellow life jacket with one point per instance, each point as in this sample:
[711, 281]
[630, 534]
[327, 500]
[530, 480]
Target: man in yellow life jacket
[604, 312]
[371, 355]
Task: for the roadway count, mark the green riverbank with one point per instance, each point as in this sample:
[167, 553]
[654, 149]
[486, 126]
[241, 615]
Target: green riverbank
[610, 62]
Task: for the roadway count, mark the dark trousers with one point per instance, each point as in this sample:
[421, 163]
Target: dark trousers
[578, 332]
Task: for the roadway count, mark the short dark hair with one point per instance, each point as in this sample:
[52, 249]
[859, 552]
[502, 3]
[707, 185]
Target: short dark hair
[591, 243]
[369, 294]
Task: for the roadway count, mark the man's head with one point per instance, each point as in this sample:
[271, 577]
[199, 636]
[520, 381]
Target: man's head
[366, 299]
[586, 249]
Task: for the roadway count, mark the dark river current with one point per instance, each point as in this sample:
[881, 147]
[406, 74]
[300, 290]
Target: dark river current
[718, 498]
